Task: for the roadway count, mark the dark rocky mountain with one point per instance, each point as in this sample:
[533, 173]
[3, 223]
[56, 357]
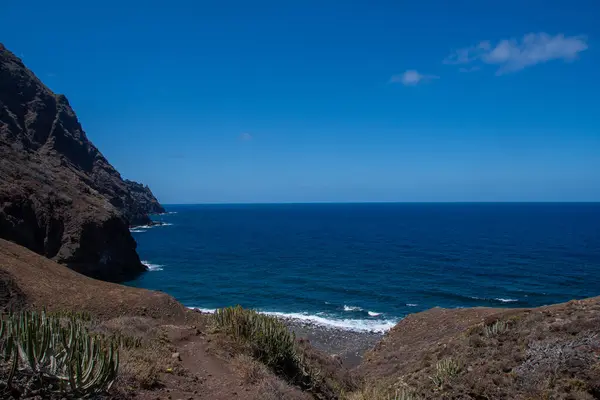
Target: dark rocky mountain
[59, 196]
[144, 203]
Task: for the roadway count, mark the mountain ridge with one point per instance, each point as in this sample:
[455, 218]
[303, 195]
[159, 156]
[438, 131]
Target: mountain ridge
[59, 196]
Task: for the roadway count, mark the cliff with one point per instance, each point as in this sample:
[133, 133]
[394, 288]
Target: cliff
[59, 196]
[144, 203]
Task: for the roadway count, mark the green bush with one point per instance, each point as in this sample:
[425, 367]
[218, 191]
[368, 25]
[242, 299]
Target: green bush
[495, 329]
[59, 352]
[445, 370]
[272, 343]
[269, 339]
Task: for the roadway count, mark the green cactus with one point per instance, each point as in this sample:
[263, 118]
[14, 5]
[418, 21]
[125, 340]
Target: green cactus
[54, 349]
[271, 341]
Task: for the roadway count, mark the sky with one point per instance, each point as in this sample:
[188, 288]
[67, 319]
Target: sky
[329, 101]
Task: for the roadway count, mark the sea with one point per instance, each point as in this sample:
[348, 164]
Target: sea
[363, 267]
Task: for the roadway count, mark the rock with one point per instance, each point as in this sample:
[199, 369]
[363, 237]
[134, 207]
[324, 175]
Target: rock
[59, 196]
[176, 356]
[144, 203]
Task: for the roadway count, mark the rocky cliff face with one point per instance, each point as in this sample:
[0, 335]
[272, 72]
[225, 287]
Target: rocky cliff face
[144, 203]
[59, 196]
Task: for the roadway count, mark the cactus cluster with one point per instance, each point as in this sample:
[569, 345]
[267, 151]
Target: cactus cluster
[60, 351]
[495, 329]
[273, 344]
[271, 341]
[445, 370]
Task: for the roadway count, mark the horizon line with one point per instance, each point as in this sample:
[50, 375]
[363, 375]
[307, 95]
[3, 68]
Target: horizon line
[383, 202]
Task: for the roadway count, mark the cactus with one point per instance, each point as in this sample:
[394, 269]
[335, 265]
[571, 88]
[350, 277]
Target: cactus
[445, 370]
[495, 329]
[270, 340]
[56, 350]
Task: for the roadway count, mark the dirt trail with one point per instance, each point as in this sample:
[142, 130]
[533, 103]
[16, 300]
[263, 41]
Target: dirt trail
[206, 376]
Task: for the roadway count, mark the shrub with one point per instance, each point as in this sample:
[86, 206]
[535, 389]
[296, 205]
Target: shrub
[270, 340]
[58, 352]
[381, 392]
[495, 329]
[445, 370]
[271, 343]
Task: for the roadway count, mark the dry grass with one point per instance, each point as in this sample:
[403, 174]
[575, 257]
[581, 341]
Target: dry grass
[140, 366]
[250, 370]
[382, 390]
[270, 387]
[546, 353]
[275, 389]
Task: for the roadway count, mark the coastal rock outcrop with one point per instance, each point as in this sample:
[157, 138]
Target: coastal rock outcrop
[59, 196]
[144, 203]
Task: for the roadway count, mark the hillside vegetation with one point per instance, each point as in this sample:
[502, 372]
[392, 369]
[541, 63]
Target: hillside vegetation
[166, 350]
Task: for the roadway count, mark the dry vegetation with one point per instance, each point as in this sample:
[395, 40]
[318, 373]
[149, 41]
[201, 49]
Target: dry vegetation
[481, 353]
[547, 353]
[269, 341]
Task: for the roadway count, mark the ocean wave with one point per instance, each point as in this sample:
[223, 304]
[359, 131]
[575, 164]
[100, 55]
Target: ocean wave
[204, 310]
[354, 325]
[153, 267]
[352, 308]
[496, 299]
[501, 300]
[143, 228]
[373, 313]
[411, 304]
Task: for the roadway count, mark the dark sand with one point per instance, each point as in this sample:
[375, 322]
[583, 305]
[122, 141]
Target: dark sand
[348, 345]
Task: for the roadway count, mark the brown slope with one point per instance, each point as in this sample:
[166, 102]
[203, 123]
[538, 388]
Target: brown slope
[204, 368]
[34, 281]
[550, 352]
[59, 196]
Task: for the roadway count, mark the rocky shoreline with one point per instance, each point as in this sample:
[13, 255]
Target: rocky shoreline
[346, 345]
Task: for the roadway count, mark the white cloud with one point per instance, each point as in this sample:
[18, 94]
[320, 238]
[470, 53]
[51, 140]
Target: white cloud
[411, 77]
[512, 55]
[245, 136]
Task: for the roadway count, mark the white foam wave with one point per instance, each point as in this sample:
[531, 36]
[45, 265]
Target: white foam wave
[374, 314]
[501, 300]
[355, 325]
[411, 304]
[506, 300]
[135, 230]
[138, 227]
[204, 310]
[153, 267]
[352, 308]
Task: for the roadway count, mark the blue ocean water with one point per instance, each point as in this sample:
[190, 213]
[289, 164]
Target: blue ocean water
[365, 266]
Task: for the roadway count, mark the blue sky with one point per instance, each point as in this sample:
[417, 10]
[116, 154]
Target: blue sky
[294, 101]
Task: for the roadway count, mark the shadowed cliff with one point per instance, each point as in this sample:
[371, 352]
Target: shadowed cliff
[59, 196]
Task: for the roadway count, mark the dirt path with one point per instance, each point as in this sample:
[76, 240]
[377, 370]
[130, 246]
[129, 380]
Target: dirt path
[206, 376]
